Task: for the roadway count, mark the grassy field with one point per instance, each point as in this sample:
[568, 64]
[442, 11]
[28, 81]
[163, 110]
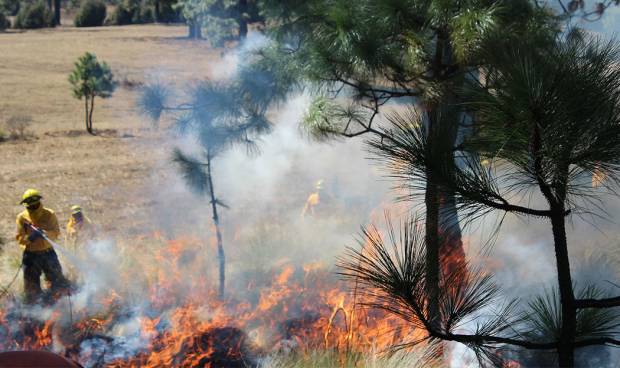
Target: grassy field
[104, 173]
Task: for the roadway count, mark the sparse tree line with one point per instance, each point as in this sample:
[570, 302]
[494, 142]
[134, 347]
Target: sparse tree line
[218, 20]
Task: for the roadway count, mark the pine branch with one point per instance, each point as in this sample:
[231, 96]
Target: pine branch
[598, 303]
[193, 171]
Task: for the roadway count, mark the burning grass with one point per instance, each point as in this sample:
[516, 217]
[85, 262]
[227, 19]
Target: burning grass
[149, 302]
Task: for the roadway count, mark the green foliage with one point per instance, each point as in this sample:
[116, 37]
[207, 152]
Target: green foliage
[327, 119]
[194, 172]
[34, 15]
[4, 22]
[168, 11]
[9, 7]
[91, 78]
[545, 317]
[544, 92]
[131, 12]
[220, 18]
[92, 13]
[219, 30]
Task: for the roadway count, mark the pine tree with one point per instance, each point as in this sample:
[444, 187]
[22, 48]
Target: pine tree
[223, 19]
[89, 79]
[219, 116]
[359, 57]
[533, 131]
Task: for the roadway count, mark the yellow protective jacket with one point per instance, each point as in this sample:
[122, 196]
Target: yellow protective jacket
[43, 218]
[78, 232]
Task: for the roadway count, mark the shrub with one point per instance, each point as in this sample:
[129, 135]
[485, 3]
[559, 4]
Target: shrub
[10, 7]
[131, 12]
[92, 13]
[168, 12]
[144, 14]
[18, 126]
[4, 22]
[34, 15]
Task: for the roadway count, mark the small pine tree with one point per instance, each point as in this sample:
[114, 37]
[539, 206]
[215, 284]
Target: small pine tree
[89, 79]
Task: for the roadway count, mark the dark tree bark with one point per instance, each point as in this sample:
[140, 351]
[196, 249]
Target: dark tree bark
[243, 20]
[86, 114]
[431, 238]
[568, 328]
[157, 11]
[191, 31]
[57, 12]
[216, 221]
[198, 30]
[194, 29]
[90, 115]
[443, 233]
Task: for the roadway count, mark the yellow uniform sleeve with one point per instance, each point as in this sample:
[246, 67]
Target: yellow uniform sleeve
[52, 229]
[20, 234]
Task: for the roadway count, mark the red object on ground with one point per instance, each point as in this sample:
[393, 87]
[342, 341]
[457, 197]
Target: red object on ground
[34, 359]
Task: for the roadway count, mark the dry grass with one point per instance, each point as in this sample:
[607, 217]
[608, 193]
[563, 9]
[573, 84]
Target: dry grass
[418, 358]
[105, 173]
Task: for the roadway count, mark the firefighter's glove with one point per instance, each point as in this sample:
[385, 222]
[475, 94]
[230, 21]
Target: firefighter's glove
[34, 235]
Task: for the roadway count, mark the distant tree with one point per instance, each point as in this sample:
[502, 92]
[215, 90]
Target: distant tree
[89, 79]
[57, 4]
[9, 7]
[4, 22]
[194, 12]
[223, 19]
[92, 13]
[219, 116]
[34, 15]
[165, 11]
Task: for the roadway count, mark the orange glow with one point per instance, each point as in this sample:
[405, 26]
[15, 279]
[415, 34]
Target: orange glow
[184, 324]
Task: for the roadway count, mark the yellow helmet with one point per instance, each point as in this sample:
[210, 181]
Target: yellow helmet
[30, 196]
[75, 209]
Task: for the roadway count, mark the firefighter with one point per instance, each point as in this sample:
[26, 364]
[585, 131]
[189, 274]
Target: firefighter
[33, 225]
[79, 228]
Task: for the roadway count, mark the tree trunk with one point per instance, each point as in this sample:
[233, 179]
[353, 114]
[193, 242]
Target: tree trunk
[86, 115]
[198, 30]
[157, 11]
[191, 30]
[90, 115]
[243, 20]
[431, 238]
[57, 12]
[194, 29]
[216, 221]
[567, 297]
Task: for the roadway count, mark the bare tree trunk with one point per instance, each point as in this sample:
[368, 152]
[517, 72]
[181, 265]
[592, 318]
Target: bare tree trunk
[57, 12]
[90, 115]
[194, 28]
[86, 113]
[157, 11]
[216, 221]
[243, 20]
[191, 31]
[431, 238]
[556, 200]
[568, 328]
[198, 30]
